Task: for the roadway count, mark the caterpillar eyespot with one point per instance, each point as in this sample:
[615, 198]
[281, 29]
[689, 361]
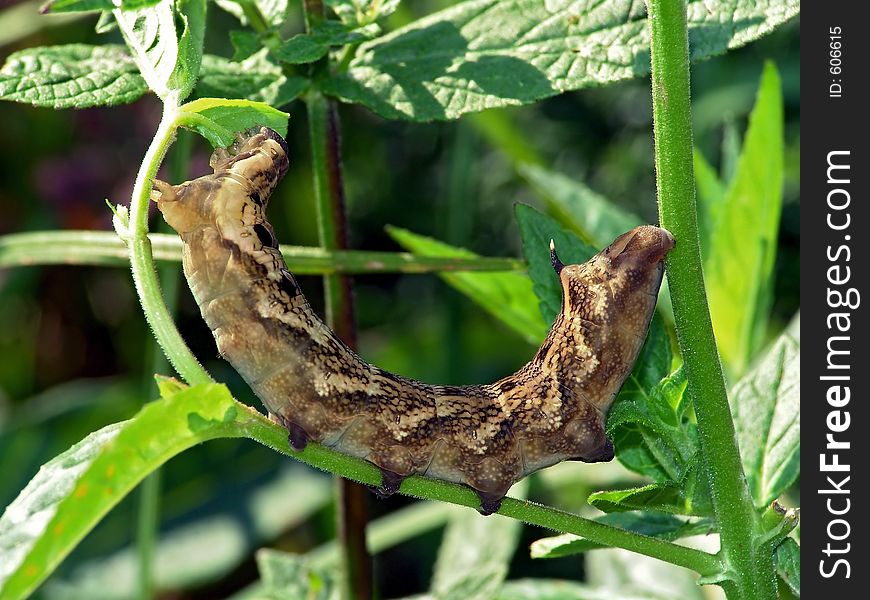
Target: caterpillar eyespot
[485, 436]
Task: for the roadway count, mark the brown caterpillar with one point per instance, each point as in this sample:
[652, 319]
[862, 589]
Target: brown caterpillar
[485, 436]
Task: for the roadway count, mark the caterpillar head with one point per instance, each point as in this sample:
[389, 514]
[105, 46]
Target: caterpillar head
[631, 265]
[607, 304]
[245, 174]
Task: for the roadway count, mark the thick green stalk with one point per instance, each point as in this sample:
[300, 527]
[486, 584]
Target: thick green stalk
[142, 260]
[750, 572]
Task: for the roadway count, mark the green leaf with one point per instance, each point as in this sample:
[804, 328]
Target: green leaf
[688, 497]
[71, 76]
[67, 6]
[788, 564]
[507, 296]
[482, 54]
[202, 550]
[766, 408]
[536, 230]
[651, 429]
[218, 119]
[291, 576]
[362, 12]
[625, 574]
[711, 199]
[739, 268]
[72, 492]
[662, 526]
[466, 571]
[256, 78]
[168, 58]
[593, 216]
[245, 43]
[309, 47]
[273, 11]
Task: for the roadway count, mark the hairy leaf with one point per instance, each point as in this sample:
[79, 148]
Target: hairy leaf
[766, 409]
[688, 497]
[309, 47]
[166, 42]
[482, 54]
[71, 76]
[507, 296]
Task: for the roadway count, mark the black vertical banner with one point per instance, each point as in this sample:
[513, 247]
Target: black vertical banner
[835, 261]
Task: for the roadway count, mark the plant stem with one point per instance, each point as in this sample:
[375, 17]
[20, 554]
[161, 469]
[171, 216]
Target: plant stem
[249, 423]
[142, 261]
[323, 126]
[751, 573]
[104, 249]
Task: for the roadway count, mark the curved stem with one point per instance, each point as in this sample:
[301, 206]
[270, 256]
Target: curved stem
[251, 424]
[142, 261]
[751, 573]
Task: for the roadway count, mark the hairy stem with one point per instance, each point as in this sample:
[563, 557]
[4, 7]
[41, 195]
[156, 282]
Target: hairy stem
[253, 425]
[750, 573]
[142, 261]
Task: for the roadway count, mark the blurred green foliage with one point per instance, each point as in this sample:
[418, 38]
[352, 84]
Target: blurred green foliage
[75, 353]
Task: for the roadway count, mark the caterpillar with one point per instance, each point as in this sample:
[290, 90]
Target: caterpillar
[485, 436]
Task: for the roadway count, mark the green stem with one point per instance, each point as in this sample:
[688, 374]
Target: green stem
[142, 260]
[750, 571]
[249, 423]
[103, 248]
[323, 127]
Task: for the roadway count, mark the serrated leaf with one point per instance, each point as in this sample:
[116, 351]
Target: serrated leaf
[166, 43]
[291, 576]
[662, 526]
[362, 12]
[71, 76]
[274, 11]
[76, 489]
[506, 296]
[651, 431]
[766, 408]
[788, 564]
[739, 267]
[67, 6]
[482, 54]
[688, 497]
[593, 216]
[256, 78]
[536, 230]
[309, 47]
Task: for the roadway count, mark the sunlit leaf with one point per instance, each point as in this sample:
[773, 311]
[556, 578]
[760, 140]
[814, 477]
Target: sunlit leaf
[507, 296]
